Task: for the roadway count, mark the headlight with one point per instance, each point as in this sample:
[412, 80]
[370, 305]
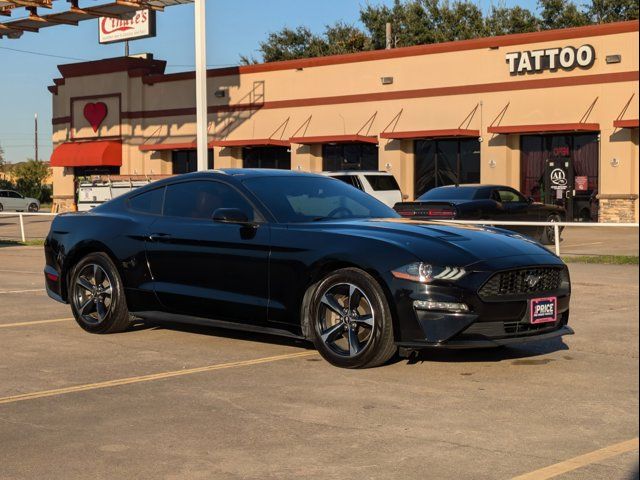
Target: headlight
[425, 273]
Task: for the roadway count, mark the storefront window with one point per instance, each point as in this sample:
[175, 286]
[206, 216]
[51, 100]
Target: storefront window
[350, 156]
[266, 157]
[186, 161]
[80, 172]
[446, 162]
[576, 156]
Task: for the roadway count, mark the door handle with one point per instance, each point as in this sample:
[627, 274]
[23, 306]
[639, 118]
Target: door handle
[154, 237]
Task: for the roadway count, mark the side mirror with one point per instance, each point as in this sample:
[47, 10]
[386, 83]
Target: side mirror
[531, 199]
[230, 215]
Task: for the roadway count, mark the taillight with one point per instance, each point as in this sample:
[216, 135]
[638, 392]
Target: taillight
[441, 213]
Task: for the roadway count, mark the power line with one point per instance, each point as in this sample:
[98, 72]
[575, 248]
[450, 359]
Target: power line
[43, 54]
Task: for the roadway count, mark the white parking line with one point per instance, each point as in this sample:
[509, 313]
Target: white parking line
[2, 270]
[23, 291]
[35, 322]
[581, 461]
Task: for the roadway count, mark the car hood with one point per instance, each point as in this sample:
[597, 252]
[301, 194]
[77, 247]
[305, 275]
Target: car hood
[446, 243]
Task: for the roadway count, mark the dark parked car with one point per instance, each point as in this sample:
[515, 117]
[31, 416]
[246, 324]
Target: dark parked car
[485, 202]
[305, 256]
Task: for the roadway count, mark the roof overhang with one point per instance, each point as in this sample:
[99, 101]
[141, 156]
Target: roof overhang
[424, 134]
[626, 123]
[331, 139]
[546, 128]
[159, 147]
[259, 142]
[102, 153]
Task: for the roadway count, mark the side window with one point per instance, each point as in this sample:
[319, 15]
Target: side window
[349, 180]
[3, 194]
[200, 199]
[14, 195]
[510, 196]
[148, 202]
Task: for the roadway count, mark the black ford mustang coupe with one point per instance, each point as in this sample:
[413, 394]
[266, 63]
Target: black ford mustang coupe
[302, 255]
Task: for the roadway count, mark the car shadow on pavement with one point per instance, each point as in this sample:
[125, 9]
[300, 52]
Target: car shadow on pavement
[523, 353]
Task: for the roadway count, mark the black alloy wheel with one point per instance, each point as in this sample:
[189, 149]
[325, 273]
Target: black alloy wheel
[97, 296]
[351, 324]
[33, 207]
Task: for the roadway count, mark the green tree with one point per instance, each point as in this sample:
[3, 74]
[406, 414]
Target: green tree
[2, 160]
[561, 14]
[605, 11]
[30, 177]
[505, 21]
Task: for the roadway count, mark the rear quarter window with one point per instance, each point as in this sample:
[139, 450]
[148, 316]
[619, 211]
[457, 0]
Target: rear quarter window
[148, 202]
[382, 183]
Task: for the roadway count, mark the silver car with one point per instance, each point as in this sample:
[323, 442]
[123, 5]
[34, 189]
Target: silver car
[10, 200]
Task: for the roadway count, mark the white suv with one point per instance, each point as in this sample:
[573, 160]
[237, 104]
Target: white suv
[10, 200]
[381, 185]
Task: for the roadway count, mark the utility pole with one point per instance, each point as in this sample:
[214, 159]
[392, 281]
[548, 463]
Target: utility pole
[36, 137]
[126, 48]
[201, 85]
[389, 36]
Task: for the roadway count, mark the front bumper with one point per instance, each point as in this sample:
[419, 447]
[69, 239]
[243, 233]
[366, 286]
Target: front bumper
[490, 321]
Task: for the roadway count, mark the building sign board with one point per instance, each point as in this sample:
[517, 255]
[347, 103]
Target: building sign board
[141, 25]
[551, 59]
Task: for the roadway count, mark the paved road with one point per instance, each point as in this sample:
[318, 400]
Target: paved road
[575, 241]
[289, 415]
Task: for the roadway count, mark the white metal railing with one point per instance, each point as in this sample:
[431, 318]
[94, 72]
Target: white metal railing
[493, 223]
[556, 226]
[21, 215]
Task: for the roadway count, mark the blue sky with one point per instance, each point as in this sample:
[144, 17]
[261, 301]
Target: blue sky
[234, 28]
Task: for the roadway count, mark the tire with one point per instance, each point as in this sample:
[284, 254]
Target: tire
[109, 314]
[33, 207]
[548, 236]
[361, 338]
[1, 207]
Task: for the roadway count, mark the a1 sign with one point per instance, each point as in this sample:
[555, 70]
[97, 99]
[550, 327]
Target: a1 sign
[141, 25]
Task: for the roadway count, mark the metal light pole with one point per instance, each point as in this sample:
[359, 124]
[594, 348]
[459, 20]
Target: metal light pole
[201, 84]
[36, 137]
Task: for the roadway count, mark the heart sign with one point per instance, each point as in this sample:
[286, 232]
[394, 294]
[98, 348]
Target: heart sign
[95, 113]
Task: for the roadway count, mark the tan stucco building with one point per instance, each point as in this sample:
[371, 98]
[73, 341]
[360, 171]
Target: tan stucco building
[554, 114]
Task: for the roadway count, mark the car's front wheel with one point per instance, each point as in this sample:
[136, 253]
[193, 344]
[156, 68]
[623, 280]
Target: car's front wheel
[350, 320]
[97, 296]
[549, 232]
[33, 207]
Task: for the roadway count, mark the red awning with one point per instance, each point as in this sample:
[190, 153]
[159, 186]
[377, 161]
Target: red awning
[546, 128]
[626, 123]
[453, 132]
[88, 154]
[158, 147]
[334, 139]
[256, 142]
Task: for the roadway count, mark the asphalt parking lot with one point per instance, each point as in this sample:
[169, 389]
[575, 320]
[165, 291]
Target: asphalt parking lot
[189, 402]
[575, 241]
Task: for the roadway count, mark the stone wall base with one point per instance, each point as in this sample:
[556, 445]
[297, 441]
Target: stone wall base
[617, 208]
[64, 203]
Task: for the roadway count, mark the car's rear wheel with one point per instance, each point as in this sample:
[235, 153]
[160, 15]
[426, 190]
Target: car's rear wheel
[350, 320]
[33, 207]
[97, 296]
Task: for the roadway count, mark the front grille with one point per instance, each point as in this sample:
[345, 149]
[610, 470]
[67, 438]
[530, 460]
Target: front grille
[514, 283]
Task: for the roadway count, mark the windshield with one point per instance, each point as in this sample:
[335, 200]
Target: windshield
[451, 193]
[310, 199]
